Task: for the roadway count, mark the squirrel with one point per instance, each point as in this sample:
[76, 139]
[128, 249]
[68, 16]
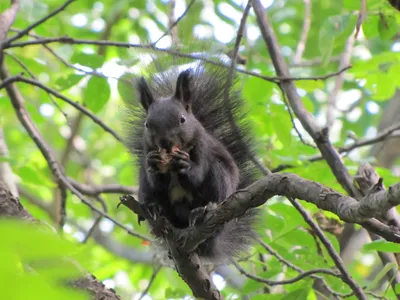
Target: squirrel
[194, 150]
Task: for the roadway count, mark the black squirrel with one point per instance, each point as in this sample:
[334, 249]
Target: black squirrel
[194, 150]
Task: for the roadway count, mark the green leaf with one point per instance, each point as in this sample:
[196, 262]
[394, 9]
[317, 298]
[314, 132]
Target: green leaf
[37, 259]
[67, 81]
[275, 223]
[269, 297]
[382, 273]
[387, 26]
[96, 93]
[173, 293]
[299, 294]
[93, 61]
[126, 89]
[370, 26]
[382, 246]
[382, 86]
[34, 175]
[252, 286]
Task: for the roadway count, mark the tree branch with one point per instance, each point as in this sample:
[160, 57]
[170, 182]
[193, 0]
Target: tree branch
[57, 171]
[72, 41]
[301, 46]
[345, 60]
[389, 132]
[7, 18]
[172, 23]
[93, 190]
[301, 276]
[320, 137]
[331, 250]
[37, 23]
[291, 186]
[19, 78]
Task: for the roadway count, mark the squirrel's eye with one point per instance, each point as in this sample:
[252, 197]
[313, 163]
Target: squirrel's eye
[183, 119]
[146, 125]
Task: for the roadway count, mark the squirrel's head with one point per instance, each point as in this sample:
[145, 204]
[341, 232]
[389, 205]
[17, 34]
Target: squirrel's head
[169, 121]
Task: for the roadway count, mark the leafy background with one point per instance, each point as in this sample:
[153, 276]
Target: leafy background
[96, 157]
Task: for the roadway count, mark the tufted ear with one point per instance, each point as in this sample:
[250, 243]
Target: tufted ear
[145, 96]
[182, 92]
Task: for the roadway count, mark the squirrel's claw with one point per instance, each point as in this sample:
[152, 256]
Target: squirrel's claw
[153, 210]
[197, 215]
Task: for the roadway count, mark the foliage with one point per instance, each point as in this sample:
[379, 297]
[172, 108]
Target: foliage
[31, 271]
[96, 157]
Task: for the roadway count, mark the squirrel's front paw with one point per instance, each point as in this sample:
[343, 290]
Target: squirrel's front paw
[197, 215]
[152, 209]
[154, 161]
[180, 161]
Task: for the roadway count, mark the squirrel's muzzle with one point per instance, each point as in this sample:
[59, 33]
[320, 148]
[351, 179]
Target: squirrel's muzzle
[165, 144]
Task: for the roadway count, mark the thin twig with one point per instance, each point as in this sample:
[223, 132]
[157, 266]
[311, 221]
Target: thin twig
[292, 118]
[37, 23]
[23, 66]
[383, 135]
[152, 278]
[72, 41]
[98, 219]
[301, 46]
[25, 119]
[69, 65]
[361, 16]
[331, 250]
[176, 22]
[228, 84]
[288, 263]
[81, 108]
[302, 275]
[93, 190]
[345, 60]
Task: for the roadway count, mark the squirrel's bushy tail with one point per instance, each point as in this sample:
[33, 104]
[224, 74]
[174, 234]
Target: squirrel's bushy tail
[233, 239]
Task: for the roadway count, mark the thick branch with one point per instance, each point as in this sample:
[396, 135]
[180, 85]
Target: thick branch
[293, 186]
[7, 18]
[186, 240]
[368, 181]
[320, 137]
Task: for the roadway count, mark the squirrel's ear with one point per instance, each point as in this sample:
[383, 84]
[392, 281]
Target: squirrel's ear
[182, 92]
[145, 96]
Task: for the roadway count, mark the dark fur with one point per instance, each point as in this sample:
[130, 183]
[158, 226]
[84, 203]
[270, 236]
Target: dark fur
[219, 151]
